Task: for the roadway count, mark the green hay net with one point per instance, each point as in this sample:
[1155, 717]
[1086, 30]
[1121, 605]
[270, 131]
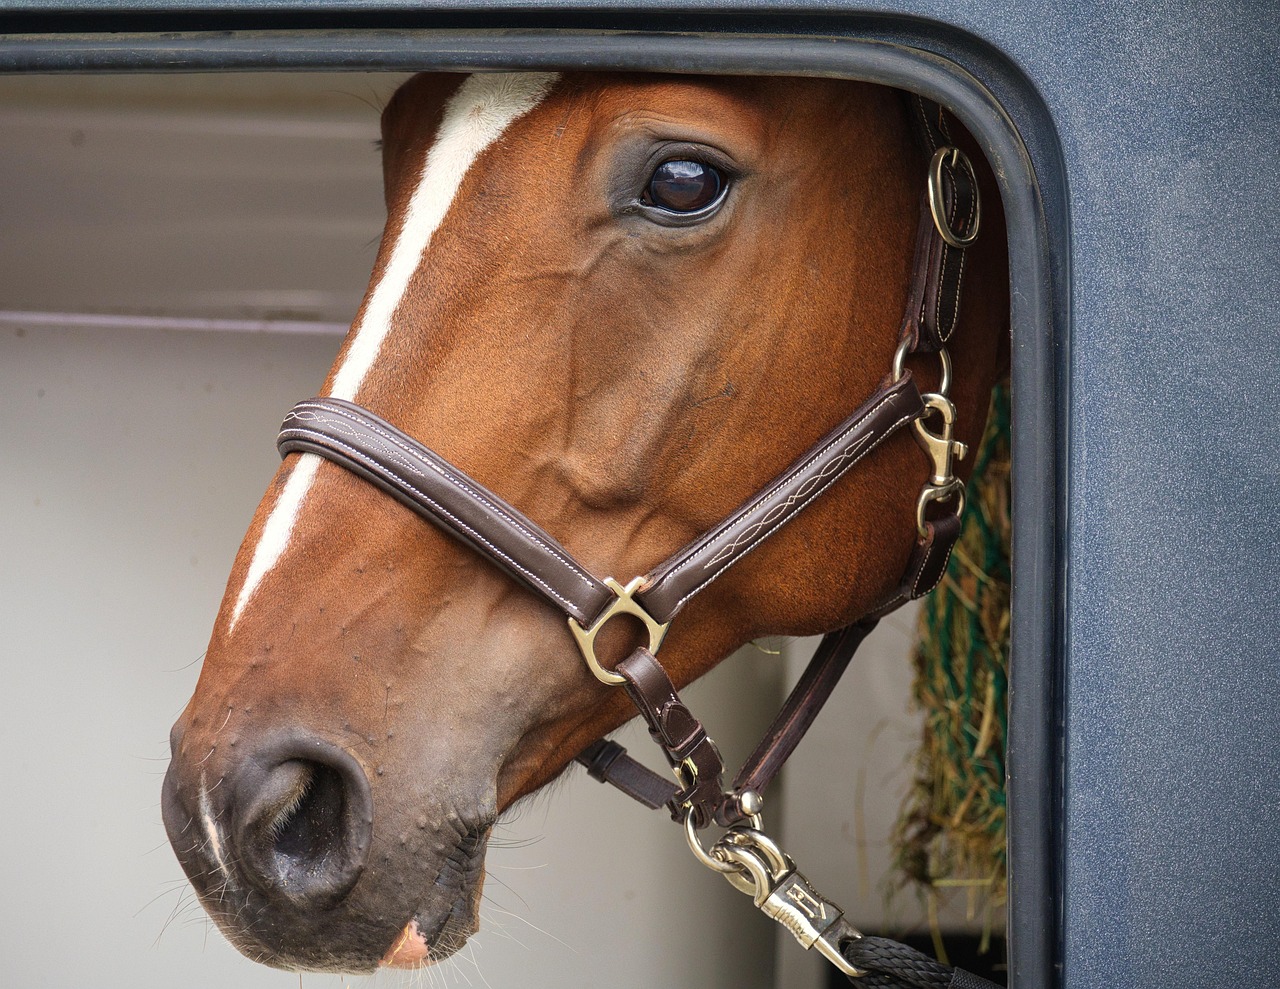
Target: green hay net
[951, 832]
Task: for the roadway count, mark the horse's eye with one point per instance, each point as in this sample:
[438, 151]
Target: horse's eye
[683, 186]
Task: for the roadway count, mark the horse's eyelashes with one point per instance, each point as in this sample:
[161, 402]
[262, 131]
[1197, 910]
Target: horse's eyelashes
[684, 186]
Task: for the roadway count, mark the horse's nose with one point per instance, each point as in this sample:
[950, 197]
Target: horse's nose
[303, 822]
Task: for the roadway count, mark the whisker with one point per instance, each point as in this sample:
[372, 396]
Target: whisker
[187, 666]
[164, 892]
[501, 930]
[471, 957]
[507, 886]
[500, 842]
[152, 851]
[173, 915]
[514, 868]
[545, 933]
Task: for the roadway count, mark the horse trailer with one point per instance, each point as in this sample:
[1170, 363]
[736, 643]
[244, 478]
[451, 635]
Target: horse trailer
[189, 190]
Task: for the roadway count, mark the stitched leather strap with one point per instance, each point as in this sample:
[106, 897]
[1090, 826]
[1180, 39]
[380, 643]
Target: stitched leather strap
[803, 704]
[927, 563]
[690, 570]
[930, 123]
[686, 744]
[933, 305]
[441, 493]
[608, 762]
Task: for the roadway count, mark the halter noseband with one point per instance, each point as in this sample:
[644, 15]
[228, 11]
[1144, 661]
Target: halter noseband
[351, 436]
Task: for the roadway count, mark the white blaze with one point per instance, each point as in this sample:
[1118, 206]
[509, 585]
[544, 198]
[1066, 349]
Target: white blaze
[475, 116]
[483, 107]
[277, 530]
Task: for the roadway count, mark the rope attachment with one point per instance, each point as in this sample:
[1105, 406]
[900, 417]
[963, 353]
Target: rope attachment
[753, 863]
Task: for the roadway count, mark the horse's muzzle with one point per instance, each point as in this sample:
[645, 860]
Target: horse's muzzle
[275, 840]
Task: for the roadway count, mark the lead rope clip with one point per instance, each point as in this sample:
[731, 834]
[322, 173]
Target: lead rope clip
[942, 449]
[752, 862]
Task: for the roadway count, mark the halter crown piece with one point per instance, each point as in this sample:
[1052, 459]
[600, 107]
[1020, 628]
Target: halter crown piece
[357, 439]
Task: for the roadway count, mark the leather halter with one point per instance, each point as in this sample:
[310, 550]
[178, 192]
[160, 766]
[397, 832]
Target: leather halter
[357, 439]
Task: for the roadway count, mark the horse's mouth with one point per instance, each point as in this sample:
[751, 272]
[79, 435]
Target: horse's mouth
[429, 937]
[413, 948]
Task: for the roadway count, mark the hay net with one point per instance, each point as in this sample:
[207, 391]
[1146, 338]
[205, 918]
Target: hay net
[951, 830]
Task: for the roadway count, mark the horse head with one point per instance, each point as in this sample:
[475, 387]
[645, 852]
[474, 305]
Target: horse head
[623, 303]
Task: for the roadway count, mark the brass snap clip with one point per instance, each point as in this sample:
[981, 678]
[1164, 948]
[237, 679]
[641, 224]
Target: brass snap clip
[954, 159]
[942, 449]
[623, 603]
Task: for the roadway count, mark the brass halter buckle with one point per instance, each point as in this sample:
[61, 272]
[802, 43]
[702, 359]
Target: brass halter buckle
[623, 603]
[955, 159]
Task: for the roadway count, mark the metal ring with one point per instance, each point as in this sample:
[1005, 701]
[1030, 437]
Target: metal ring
[756, 840]
[753, 875]
[899, 359]
[931, 493]
[700, 853]
[899, 369]
[623, 603]
[937, 200]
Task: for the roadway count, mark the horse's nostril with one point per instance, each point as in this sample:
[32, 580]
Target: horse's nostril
[308, 827]
[304, 827]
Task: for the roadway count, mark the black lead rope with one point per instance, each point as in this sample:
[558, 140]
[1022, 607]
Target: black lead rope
[890, 964]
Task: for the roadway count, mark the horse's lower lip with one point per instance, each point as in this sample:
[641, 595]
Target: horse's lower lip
[409, 951]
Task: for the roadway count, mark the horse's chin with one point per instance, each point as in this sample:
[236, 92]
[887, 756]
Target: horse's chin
[410, 950]
[414, 949]
[427, 938]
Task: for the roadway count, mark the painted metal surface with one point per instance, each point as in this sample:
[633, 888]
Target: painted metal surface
[1166, 245]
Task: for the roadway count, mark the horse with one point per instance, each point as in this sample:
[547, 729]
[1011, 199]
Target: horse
[623, 303]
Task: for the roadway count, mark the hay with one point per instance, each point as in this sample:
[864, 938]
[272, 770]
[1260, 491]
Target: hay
[951, 831]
